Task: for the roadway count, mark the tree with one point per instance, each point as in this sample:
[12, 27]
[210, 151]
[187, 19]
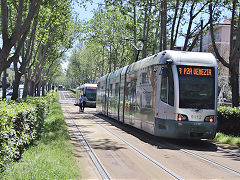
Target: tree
[234, 56]
[16, 35]
[54, 36]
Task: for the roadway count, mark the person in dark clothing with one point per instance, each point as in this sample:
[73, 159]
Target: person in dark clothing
[83, 99]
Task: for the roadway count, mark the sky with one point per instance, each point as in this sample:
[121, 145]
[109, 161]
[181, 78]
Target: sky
[87, 13]
[84, 14]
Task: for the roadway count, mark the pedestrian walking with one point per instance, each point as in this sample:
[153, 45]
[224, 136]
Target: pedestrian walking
[83, 99]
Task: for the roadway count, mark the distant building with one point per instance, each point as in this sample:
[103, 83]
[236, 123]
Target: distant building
[222, 39]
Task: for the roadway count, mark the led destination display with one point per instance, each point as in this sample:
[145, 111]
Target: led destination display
[195, 71]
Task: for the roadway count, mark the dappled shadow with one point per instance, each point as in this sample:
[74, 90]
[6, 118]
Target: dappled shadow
[100, 143]
[53, 129]
[105, 144]
[167, 143]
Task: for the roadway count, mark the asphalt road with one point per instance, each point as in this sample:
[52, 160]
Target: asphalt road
[127, 153]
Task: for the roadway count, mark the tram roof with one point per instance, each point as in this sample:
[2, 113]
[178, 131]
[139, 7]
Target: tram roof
[175, 57]
[188, 58]
[88, 85]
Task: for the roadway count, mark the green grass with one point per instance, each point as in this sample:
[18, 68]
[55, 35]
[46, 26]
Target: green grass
[227, 139]
[49, 158]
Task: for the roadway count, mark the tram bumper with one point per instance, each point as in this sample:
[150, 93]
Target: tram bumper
[91, 104]
[185, 129]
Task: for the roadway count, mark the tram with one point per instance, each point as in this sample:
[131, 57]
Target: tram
[90, 90]
[171, 94]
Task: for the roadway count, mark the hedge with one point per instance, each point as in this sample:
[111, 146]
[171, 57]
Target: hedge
[20, 124]
[229, 120]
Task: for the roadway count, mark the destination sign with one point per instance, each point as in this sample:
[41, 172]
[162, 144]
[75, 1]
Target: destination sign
[91, 88]
[195, 71]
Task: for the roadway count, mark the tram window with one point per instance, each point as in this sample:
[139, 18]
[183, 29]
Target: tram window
[110, 89]
[133, 90]
[171, 87]
[167, 86]
[164, 88]
[144, 77]
[128, 91]
[196, 87]
[116, 89]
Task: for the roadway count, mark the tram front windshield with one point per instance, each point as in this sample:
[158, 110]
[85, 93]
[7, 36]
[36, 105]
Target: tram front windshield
[196, 87]
[91, 94]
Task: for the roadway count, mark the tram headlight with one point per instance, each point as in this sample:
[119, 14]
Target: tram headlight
[209, 119]
[182, 117]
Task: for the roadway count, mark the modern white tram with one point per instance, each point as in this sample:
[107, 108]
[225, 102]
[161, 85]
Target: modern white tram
[90, 90]
[171, 94]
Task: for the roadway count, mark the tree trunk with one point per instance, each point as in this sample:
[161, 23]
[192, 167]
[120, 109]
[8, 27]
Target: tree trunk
[156, 33]
[102, 62]
[163, 35]
[164, 21]
[31, 88]
[135, 31]
[179, 21]
[173, 25]
[144, 49]
[43, 89]
[4, 84]
[38, 87]
[234, 85]
[16, 85]
[49, 86]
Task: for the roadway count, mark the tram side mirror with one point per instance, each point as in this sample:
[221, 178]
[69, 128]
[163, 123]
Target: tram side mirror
[169, 61]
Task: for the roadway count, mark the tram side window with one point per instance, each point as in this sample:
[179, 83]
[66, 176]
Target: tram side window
[116, 90]
[167, 86]
[144, 77]
[110, 90]
[164, 88]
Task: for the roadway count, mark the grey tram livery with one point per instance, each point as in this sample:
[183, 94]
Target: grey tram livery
[171, 94]
[90, 90]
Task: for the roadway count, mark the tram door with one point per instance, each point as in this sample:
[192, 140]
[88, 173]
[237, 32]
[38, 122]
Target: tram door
[130, 103]
[165, 106]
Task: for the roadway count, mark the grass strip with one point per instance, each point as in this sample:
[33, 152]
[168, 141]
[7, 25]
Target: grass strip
[227, 139]
[49, 158]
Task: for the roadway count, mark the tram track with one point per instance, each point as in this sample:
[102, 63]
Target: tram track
[141, 153]
[195, 155]
[163, 143]
[205, 159]
[104, 174]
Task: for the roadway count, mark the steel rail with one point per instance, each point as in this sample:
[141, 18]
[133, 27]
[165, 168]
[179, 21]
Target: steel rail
[142, 153]
[228, 151]
[94, 158]
[177, 147]
[205, 159]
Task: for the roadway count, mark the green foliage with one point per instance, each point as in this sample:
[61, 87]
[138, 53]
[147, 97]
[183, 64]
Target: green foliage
[17, 130]
[227, 139]
[20, 123]
[51, 157]
[229, 120]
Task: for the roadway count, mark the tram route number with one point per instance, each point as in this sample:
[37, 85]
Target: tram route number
[196, 117]
[195, 71]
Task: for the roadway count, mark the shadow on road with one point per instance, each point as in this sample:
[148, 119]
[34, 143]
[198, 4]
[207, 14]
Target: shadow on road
[159, 142]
